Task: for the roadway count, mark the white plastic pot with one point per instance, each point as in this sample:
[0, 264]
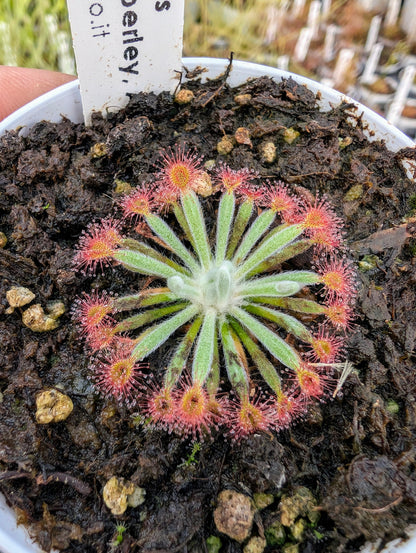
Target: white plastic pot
[65, 101]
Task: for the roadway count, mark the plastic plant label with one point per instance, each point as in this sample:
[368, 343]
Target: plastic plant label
[402, 92]
[326, 8]
[372, 63]
[297, 7]
[329, 43]
[372, 34]
[392, 15]
[313, 17]
[124, 47]
[343, 65]
[283, 62]
[302, 44]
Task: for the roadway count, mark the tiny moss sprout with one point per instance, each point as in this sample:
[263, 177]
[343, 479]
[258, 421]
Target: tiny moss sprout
[118, 540]
[254, 307]
[191, 459]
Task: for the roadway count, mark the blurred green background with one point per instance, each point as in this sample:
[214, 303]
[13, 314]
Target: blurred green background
[35, 33]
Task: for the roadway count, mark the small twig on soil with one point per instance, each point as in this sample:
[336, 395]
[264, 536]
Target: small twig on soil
[301, 446]
[62, 477]
[220, 472]
[317, 441]
[188, 75]
[347, 368]
[355, 418]
[65, 478]
[13, 475]
[211, 95]
[381, 509]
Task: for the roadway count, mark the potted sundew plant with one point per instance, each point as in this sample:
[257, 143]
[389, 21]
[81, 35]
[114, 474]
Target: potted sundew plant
[207, 334]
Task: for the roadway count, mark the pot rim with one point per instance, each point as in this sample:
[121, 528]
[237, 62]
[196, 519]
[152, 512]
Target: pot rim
[28, 115]
[65, 101]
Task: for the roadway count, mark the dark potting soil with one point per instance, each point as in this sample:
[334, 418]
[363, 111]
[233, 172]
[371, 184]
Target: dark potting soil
[355, 454]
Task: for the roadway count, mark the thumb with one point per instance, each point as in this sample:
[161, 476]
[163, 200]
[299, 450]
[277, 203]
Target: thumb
[19, 85]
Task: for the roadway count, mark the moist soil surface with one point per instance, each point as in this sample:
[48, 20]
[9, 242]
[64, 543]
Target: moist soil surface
[354, 454]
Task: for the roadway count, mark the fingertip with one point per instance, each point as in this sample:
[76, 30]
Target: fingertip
[20, 85]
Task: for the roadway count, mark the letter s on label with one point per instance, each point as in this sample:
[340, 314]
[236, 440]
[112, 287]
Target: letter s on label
[160, 6]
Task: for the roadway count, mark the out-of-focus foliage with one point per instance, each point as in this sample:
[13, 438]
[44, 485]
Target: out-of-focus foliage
[245, 27]
[35, 33]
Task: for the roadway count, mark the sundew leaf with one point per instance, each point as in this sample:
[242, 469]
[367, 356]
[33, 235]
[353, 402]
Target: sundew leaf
[265, 367]
[224, 220]
[178, 361]
[136, 321]
[180, 217]
[279, 288]
[213, 379]
[137, 246]
[299, 305]
[164, 232]
[239, 226]
[195, 220]
[270, 340]
[159, 333]
[253, 235]
[303, 277]
[205, 346]
[286, 253]
[143, 264]
[150, 296]
[283, 284]
[235, 369]
[271, 245]
[289, 323]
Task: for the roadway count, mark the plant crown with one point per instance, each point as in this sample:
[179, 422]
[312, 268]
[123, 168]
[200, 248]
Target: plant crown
[256, 312]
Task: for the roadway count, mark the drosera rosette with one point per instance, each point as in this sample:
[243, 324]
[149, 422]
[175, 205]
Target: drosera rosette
[234, 306]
